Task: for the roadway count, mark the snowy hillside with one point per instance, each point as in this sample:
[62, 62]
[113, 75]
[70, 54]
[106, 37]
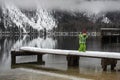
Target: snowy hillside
[89, 14]
[13, 15]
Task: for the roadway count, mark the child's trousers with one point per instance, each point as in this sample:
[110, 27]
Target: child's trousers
[82, 47]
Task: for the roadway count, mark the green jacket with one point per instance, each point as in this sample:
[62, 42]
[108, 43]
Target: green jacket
[82, 38]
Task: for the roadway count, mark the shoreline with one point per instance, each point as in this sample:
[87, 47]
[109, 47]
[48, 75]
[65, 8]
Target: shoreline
[27, 74]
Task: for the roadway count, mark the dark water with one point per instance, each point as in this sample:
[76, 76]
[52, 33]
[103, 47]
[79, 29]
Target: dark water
[87, 66]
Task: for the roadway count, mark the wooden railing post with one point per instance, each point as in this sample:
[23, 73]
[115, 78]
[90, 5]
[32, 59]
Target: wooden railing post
[105, 62]
[13, 58]
[39, 59]
[73, 60]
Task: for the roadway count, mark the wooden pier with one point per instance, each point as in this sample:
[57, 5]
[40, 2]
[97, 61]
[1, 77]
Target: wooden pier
[110, 35]
[110, 31]
[72, 56]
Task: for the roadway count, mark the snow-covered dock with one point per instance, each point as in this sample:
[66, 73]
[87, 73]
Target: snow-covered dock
[94, 54]
[72, 55]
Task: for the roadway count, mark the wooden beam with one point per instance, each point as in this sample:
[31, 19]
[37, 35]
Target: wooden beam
[13, 57]
[73, 60]
[39, 59]
[105, 62]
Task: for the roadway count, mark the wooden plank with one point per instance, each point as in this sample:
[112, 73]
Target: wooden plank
[92, 54]
[96, 54]
[116, 29]
[45, 51]
[24, 53]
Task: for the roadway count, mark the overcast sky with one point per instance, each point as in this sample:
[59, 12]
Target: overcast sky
[93, 6]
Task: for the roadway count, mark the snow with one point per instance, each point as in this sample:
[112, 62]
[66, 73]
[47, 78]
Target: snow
[105, 20]
[95, 54]
[44, 18]
[49, 51]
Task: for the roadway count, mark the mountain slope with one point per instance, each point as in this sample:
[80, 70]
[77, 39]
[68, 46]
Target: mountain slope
[13, 15]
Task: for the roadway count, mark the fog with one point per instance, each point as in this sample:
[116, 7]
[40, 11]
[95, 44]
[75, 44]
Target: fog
[91, 6]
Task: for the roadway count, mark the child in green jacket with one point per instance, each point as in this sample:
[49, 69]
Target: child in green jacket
[82, 41]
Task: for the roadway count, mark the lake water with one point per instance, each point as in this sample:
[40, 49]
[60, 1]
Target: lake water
[88, 67]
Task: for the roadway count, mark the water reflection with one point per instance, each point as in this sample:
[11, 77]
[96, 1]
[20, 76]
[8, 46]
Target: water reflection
[6, 44]
[9, 43]
[87, 66]
[57, 62]
[40, 42]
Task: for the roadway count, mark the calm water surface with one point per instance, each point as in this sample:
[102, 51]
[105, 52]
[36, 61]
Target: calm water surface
[88, 67]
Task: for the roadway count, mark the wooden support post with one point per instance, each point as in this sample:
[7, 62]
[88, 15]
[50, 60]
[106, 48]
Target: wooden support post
[73, 60]
[39, 59]
[13, 58]
[106, 62]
